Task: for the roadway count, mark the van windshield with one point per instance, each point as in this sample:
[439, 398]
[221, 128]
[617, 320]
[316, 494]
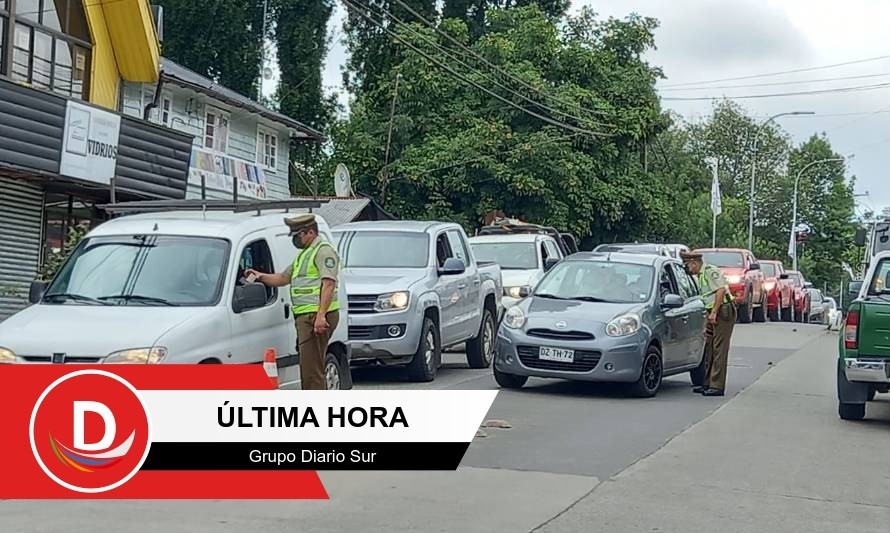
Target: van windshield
[142, 270]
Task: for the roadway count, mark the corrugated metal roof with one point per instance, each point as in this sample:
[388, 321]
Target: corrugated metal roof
[176, 73]
[341, 210]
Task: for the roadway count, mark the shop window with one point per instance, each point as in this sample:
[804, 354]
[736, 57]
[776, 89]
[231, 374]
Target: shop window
[216, 130]
[51, 45]
[267, 148]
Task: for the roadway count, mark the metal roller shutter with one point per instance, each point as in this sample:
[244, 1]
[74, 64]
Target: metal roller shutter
[21, 223]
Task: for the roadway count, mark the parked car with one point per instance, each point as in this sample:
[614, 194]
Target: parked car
[833, 315]
[779, 291]
[630, 318]
[523, 258]
[801, 296]
[414, 289]
[863, 366]
[168, 287]
[817, 306]
[745, 279]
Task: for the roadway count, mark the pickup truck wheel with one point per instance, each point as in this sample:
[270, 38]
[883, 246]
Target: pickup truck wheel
[746, 311]
[851, 411]
[788, 313]
[480, 350]
[425, 363]
[332, 372]
[650, 375]
[509, 381]
[774, 313]
[759, 313]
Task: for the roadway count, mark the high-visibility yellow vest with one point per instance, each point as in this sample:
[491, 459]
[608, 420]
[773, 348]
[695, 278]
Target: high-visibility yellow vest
[305, 283]
[709, 290]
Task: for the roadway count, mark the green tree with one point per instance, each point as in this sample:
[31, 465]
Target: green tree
[220, 39]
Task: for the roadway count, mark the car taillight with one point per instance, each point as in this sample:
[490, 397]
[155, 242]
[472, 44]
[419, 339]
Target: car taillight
[851, 330]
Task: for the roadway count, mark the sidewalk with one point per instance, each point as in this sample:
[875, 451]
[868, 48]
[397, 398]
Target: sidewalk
[776, 458]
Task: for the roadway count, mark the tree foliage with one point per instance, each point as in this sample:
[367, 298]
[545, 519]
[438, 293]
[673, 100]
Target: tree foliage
[220, 39]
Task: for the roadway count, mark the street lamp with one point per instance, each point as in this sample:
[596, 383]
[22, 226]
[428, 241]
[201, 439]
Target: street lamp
[754, 169]
[794, 206]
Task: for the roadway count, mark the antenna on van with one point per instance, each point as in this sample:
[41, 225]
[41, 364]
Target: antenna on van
[204, 211]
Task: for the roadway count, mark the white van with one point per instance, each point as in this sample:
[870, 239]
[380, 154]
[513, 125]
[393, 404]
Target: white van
[167, 287]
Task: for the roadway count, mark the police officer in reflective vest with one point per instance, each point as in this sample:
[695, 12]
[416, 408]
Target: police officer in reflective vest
[313, 279]
[720, 305]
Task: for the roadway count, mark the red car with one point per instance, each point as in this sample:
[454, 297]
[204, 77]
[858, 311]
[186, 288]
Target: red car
[745, 280]
[801, 296]
[779, 291]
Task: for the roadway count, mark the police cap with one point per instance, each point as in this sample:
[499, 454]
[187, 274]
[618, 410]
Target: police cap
[299, 223]
[690, 256]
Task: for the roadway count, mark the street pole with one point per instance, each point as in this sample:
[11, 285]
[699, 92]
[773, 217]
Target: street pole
[714, 231]
[754, 170]
[794, 205]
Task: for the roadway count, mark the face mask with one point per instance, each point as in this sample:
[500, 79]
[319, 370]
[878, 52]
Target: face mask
[296, 240]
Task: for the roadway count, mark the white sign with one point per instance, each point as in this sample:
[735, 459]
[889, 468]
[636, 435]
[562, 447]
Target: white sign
[89, 143]
[221, 182]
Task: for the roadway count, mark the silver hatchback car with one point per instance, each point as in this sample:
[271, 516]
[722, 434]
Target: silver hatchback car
[610, 317]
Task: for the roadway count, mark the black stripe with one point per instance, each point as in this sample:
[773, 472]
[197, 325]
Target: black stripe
[245, 455]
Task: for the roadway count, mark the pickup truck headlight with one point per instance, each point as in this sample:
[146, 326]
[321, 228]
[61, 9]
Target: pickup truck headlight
[138, 356]
[513, 292]
[733, 279]
[514, 318]
[7, 356]
[623, 325]
[393, 301]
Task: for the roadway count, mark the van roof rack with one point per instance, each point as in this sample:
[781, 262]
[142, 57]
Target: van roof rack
[155, 206]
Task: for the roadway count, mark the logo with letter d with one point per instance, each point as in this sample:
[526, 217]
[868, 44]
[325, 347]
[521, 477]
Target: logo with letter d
[90, 431]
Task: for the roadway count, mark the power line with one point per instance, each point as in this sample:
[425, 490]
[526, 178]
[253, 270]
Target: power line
[459, 76]
[772, 84]
[488, 63]
[778, 73]
[383, 12]
[776, 95]
[856, 120]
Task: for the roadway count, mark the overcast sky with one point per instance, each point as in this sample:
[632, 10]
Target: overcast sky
[700, 40]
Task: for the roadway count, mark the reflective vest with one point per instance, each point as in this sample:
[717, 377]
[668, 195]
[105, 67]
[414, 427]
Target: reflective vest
[709, 289]
[305, 283]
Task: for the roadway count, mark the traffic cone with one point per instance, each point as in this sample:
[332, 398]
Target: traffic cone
[270, 363]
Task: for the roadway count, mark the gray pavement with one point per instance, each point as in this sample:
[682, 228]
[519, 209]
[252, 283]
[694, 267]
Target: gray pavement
[770, 456]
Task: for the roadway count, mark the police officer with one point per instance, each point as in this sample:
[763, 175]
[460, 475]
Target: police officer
[313, 277]
[720, 305]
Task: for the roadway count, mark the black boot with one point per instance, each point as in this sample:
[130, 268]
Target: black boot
[698, 389]
[712, 392]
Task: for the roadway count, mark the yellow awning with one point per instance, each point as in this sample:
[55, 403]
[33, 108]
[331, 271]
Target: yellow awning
[133, 36]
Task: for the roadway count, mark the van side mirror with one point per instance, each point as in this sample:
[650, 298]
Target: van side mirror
[453, 267]
[860, 237]
[550, 262]
[672, 301]
[250, 296]
[854, 287]
[36, 291]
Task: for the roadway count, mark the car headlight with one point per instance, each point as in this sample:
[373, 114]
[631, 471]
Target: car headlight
[514, 318]
[733, 279]
[769, 285]
[513, 292]
[623, 325]
[393, 301]
[138, 356]
[7, 356]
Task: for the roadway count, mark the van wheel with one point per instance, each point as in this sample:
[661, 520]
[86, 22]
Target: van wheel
[851, 411]
[509, 381]
[332, 372]
[425, 363]
[480, 350]
[650, 375]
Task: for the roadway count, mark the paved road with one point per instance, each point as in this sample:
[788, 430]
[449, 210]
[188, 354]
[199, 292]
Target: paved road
[565, 439]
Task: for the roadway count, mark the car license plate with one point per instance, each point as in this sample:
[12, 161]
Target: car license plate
[556, 354]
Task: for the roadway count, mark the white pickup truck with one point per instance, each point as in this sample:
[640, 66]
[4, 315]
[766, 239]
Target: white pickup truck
[524, 258]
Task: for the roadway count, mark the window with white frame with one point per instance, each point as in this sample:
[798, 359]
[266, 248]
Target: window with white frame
[267, 148]
[163, 112]
[216, 130]
[166, 106]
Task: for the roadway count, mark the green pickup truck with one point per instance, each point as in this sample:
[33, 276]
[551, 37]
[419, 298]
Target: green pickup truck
[863, 366]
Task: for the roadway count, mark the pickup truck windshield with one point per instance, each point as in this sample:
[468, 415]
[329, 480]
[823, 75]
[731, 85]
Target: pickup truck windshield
[769, 270]
[384, 249]
[597, 282]
[508, 255]
[724, 259]
[142, 270]
[795, 280]
[881, 282]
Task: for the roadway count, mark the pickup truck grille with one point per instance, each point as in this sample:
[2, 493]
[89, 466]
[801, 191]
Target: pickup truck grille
[585, 360]
[560, 335]
[362, 303]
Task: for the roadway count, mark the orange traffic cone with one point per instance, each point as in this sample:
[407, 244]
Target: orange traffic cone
[270, 363]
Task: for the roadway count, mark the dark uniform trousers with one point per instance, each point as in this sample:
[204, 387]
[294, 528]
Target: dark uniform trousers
[314, 348]
[717, 347]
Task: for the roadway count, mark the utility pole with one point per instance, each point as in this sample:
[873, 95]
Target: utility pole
[392, 113]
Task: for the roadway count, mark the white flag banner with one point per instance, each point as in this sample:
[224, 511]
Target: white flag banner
[716, 202]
